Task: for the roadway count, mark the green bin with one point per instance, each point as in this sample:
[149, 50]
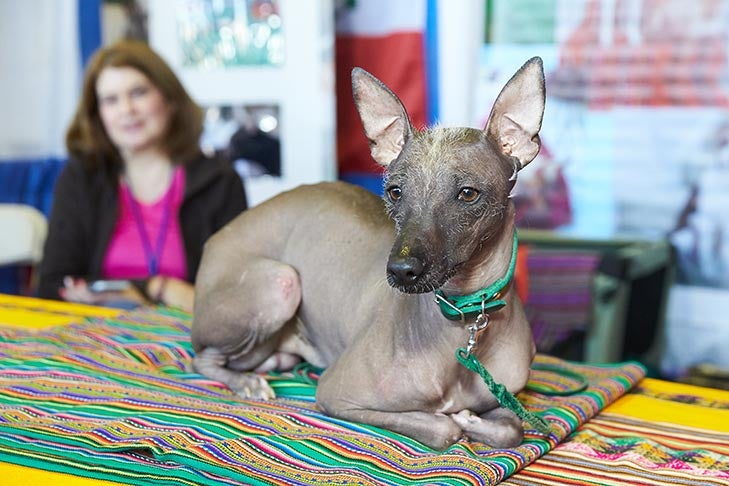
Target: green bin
[630, 290]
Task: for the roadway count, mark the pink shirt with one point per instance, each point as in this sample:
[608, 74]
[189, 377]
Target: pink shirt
[125, 256]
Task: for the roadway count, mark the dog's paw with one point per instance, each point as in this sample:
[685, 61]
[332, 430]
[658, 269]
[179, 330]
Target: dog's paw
[499, 428]
[466, 419]
[249, 385]
[444, 435]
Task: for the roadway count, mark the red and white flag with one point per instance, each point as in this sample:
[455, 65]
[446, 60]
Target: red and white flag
[387, 39]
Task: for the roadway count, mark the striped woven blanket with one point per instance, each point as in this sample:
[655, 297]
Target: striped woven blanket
[115, 398]
[659, 433]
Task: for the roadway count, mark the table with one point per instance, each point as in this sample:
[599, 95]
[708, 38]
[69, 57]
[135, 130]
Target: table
[110, 395]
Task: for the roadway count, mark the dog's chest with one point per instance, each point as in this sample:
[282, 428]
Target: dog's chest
[432, 386]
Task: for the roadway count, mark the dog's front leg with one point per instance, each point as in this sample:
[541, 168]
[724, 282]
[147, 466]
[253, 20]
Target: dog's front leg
[435, 430]
[498, 428]
[387, 402]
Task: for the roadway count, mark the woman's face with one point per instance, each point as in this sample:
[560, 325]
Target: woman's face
[133, 111]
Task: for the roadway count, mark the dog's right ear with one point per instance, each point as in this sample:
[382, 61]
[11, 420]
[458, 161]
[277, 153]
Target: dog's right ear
[516, 116]
[385, 121]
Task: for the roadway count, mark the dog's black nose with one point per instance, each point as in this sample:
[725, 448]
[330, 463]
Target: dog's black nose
[404, 271]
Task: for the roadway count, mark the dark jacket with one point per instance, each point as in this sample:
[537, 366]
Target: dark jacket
[85, 210]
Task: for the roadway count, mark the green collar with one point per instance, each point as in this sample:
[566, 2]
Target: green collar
[459, 307]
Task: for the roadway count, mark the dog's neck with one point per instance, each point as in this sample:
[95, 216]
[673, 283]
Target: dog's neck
[488, 264]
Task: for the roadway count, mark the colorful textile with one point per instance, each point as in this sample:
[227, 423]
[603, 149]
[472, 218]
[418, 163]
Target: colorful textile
[660, 433]
[115, 398]
[560, 301]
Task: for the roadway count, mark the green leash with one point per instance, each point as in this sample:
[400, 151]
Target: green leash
[505, 398]
[581, 385]
[479, 304]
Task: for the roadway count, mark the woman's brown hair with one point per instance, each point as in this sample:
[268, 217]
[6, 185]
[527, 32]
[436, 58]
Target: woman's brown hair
[86, 138]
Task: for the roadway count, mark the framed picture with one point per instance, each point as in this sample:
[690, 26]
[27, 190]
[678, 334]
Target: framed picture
[251, 58]
[247, 135]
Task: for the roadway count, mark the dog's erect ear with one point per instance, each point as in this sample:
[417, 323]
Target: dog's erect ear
[516, 116]
[385, 121]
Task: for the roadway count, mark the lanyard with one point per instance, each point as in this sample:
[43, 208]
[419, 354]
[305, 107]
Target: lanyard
[153, 255]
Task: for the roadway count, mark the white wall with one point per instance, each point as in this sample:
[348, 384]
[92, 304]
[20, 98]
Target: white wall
[39, 62]
[460, 39]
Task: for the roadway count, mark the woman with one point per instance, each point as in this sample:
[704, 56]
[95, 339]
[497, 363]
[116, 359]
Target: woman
[137, 199]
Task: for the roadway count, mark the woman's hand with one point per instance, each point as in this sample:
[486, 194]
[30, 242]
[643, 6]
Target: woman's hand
[169, 291]
[77, 290]
[172, 292]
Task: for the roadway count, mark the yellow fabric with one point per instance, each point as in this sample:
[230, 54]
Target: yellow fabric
[38, 313]
[13, 475]
[657, 410]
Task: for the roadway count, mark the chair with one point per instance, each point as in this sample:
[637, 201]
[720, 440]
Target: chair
[24, 231]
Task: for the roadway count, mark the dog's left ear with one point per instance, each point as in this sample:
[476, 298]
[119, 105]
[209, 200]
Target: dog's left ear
[385, 121]
[516, 116]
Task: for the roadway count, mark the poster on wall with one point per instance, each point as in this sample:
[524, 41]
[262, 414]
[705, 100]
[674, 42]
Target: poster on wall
[215, 34]
[635, 139]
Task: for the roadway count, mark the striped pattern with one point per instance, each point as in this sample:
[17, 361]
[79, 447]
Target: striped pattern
[658, 434]
[115, 398]
[560, 300]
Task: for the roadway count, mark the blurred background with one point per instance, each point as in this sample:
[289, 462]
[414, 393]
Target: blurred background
[623, 212]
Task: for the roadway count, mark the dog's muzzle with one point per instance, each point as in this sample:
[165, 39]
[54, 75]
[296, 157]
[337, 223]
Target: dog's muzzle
[404, 272]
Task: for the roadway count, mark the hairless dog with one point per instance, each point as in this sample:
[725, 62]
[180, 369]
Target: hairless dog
[336, 276]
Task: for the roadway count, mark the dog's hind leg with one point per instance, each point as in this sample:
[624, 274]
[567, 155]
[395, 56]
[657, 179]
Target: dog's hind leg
[212, 363]
[239, 320]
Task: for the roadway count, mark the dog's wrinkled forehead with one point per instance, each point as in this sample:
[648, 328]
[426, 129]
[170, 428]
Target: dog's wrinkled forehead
[435, 144]
[439, 150]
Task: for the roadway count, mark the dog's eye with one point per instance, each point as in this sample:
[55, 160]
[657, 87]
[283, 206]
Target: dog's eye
[394, 193]
[468, 194]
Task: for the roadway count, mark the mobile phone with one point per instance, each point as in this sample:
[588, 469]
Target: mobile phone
[108, 285]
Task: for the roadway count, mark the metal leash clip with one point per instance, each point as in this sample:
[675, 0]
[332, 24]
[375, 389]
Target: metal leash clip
[478, 326]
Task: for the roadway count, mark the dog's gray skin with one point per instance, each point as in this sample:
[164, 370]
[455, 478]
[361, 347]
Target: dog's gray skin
[305, 275]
